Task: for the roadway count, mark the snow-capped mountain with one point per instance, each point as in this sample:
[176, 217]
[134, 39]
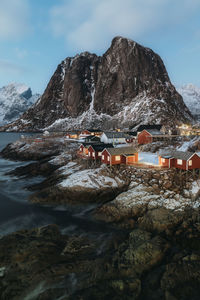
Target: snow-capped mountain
[15, 99]
[127, 86]
[191, 97]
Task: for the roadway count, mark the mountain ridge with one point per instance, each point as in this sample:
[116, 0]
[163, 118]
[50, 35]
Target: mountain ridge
[127, 85]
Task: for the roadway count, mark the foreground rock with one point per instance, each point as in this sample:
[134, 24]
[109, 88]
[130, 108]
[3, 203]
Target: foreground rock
[45, 265]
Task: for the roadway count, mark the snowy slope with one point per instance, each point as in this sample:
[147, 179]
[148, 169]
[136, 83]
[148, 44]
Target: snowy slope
[15, 99]
[191, 97]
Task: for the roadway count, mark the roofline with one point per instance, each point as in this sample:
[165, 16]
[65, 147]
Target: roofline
[146, 131]
[106, 150]
[193, 155]
[181, 158]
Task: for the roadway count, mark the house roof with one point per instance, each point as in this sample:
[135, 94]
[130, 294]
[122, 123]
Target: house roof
[116, 135]
[101, 147]
[94, 130]
[121, 151]
[132, 133]
[87, 144]
[154, 131]
[147, 127]
[184, 155]
[92, 137]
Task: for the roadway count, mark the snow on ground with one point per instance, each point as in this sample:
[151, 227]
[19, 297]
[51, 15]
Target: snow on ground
[195, 190]
[60, 158]
[139, 196]
[70, 168]
[91, 179]
[148, 158]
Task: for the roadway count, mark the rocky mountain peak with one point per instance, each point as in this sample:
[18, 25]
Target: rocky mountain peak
[128, 85]
[191, 97]
[15, 99]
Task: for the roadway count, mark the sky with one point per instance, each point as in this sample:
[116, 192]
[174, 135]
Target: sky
[36, 35]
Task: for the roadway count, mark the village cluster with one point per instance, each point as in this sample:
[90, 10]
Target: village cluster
[116, 147]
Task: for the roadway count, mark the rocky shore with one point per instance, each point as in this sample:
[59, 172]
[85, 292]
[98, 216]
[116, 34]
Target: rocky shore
[153, 253]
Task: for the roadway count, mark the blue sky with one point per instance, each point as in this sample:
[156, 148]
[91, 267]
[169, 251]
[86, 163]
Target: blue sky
[36, 35]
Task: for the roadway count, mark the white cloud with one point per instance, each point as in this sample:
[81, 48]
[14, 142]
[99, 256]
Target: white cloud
[21, 53]
[14, 19]
[90, 24]
[11, 68]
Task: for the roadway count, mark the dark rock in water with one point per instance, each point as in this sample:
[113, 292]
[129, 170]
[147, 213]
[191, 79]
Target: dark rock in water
[128, 85]
[43, 264]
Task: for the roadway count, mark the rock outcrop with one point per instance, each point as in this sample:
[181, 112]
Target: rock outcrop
[128, 85]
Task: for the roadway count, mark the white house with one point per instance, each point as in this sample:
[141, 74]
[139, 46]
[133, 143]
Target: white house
[114, 137]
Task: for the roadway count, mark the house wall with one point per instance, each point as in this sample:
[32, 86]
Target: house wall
[130, 159]
[90, 153]
[195, 162]
[117, 162]
[144, 137]
[166, 163]
[106, 155]
[175, 164]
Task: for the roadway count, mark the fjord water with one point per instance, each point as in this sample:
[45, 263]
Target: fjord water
[16, 212]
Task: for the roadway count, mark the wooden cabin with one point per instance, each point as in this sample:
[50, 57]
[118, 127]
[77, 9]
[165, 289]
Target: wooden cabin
[72, 135]
[114, 137]
[117, 156]
[96, 132]
[88, 132]
[83, 150]
[95, 150]
[179, 159]
[147, 136]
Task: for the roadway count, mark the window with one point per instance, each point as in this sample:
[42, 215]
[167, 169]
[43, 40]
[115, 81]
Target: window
[117, 158]
[102, 156]
[163, 160]
[179, 161]
[190, 163]
[108, 158]
[93, 154]
[99, 153]
[89, 154]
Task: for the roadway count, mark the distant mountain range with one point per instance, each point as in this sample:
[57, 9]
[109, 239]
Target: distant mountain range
[125, 87]
[191, 97]
[15, 99]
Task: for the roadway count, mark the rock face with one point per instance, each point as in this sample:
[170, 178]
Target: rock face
[15, 99]
[191, 97]
[127, 85]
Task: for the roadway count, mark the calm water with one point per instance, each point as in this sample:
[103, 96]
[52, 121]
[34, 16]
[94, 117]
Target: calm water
[17, 213]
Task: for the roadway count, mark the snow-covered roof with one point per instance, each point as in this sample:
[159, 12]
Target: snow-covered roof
[121, 151]
[101, 147]
[154, 131]
[184, 155]
[116, 135]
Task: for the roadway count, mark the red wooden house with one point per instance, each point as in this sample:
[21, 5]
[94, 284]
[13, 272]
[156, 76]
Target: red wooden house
[117, 156]
[146, 136]
[179, 159]
[83, 150]
[95, 151]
